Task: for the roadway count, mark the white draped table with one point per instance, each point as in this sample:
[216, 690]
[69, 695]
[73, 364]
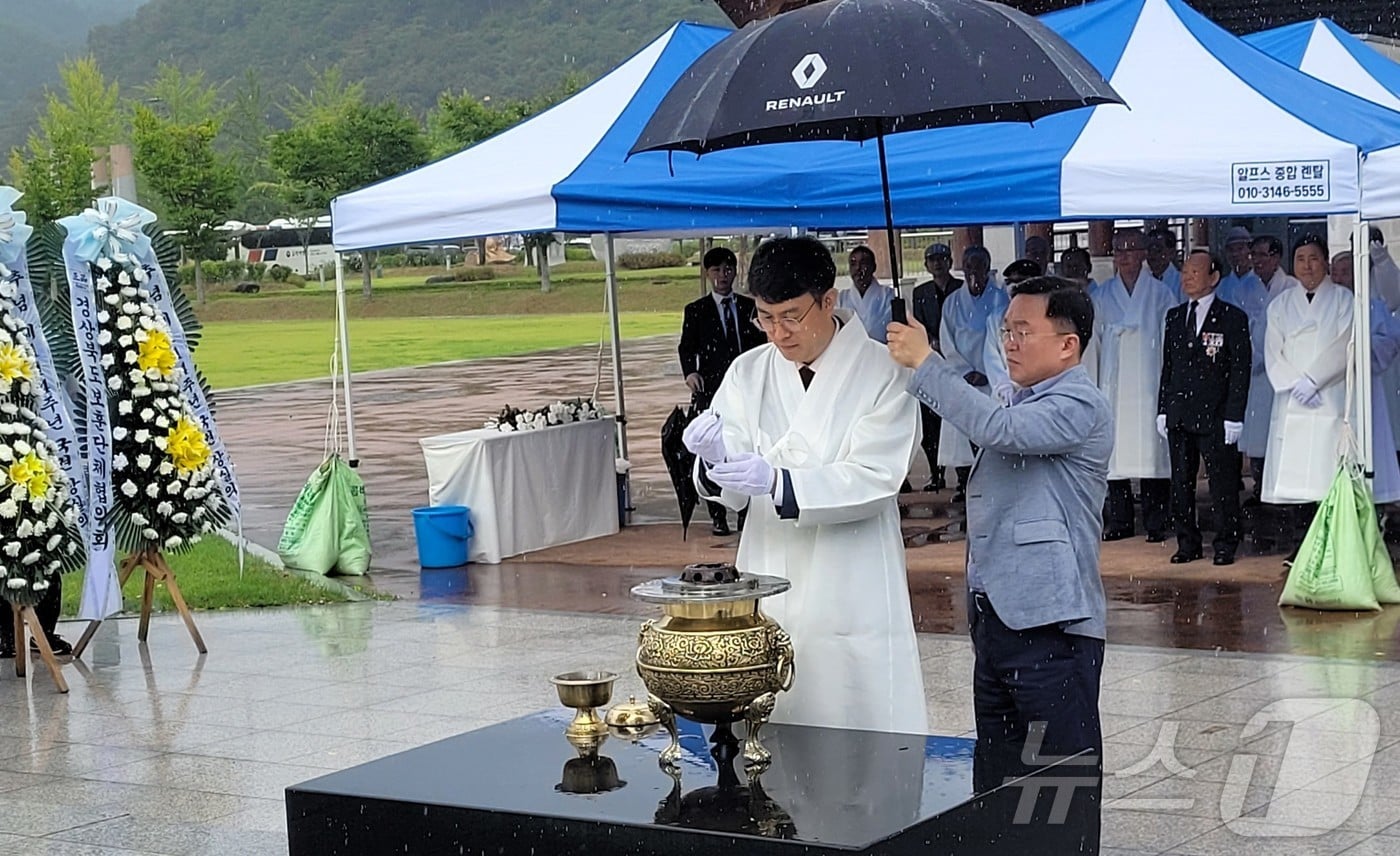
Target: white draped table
[527, 490]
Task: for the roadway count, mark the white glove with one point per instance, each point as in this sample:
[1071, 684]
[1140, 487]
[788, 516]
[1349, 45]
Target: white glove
[705, 437]
[745, 473]
[1233, 430]
[1305, 392]
[1003, 391]
[1162, 425]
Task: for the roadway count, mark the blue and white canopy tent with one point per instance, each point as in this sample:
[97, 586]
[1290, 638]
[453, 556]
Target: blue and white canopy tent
[1322, 49]
[1163, 155]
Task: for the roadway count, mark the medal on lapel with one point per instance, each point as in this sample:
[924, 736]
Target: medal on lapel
[1213, 343]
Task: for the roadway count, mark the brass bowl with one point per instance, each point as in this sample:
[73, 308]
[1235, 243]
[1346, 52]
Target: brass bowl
[584, 688]
[583, 691]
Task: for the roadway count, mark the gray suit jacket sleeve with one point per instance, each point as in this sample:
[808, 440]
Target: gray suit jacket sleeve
[1043, 426]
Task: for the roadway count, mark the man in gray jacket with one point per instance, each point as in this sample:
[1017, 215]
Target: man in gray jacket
[1034, 519]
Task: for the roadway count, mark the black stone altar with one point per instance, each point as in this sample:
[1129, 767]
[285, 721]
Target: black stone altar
[520, 788]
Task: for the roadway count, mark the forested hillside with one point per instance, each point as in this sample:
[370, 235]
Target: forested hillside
[34, 39]
[407, 51]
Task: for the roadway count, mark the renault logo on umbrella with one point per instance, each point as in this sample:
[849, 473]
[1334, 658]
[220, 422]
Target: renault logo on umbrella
[809, 70]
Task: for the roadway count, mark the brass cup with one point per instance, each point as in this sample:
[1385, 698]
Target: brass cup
[584, 691]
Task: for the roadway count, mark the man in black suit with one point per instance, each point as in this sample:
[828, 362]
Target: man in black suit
[1201, 404]
[928, 309]
[717, 328]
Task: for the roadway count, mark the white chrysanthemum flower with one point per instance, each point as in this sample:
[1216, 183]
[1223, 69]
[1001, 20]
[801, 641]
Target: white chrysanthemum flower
[124, 407]
[149, 534]
[12, 549]
[143, 462]
[119, 461]
[165, 509]
[165, 468]
[39, 502]
[142, 435]
[16, 583]
[104, 264]
[114, 384]
[173, 541]
[179, 518]
[111, 299]
[53, 542]
[25, 529]
[39, 529]
[104, 337]
[103, 316]
[131, 357]
[70, 516]
[139, 274]
[136, 375]
[132, 309]
[123, 278]
[153, 490]
[173, 489]
[30, 558]
[108, 361]
[147, 414]
[41, 585]
[124, 341]
[160, 443]
[21, 447]
[129, 488]
[198, 512]
[9, 409]
[8, 509]
[153, 374]
[123, 323]
[119, 433]
[162, 422]
[139, 519]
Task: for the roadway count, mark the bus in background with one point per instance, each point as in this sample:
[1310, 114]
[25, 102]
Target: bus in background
[282, 243]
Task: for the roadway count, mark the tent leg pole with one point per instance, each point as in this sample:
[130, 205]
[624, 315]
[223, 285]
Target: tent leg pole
[1361, 329]
[343, 335]
[619, 400]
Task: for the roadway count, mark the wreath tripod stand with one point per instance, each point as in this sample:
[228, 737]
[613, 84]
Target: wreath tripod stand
[154, 569]
[26, 623]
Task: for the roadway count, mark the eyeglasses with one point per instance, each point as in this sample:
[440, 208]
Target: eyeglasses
[1020, 336]
[789, 323]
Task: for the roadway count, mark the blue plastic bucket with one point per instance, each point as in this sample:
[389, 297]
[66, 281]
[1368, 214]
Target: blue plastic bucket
[444, 535]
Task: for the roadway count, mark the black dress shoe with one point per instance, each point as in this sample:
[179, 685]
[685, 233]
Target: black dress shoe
[960, 497]
[719, 527]
[1181, 557]
[1224, 558]
[1156, 537]
[1117, 534]
[57, 644]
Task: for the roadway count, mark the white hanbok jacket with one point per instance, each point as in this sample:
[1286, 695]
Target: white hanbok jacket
[1385, 349]
[968, 324]
[1306, 338]
[1253, 296]
[846, 442]
[1130, 329]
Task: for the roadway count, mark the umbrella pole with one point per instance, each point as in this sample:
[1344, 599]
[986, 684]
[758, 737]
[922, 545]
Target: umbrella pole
[897, 311]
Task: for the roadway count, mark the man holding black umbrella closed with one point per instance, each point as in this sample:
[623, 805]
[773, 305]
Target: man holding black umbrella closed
[813, 434]
[717, 328]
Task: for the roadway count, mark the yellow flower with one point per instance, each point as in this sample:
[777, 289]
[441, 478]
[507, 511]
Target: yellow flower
[156, 353]
[15, 363]
[186, 446]
[31, 472]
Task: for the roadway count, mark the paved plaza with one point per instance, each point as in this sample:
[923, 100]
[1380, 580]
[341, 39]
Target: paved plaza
[158, 750]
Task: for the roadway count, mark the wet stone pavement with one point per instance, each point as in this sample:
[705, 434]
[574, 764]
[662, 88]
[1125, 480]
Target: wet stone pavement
[1230, 726]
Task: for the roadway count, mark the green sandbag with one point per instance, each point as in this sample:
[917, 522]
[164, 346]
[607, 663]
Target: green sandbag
[1383, 583]
[328, 527]
[1333, 567]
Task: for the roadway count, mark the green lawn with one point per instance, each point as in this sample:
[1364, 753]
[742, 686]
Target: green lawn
[208, 577]
[244, 353]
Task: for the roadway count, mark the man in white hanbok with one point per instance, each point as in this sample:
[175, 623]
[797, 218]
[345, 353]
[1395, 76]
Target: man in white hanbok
[1161, 260]
[1252, 291]
[812, 432]
[969, 314]
[1130, 313]
[1385, 348]
[867, 298]
[1305, 354]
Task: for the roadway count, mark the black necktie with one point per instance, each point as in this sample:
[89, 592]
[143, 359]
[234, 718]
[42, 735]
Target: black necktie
[806, 374]
[1191, 318]
[1311, 295]
[732, 322]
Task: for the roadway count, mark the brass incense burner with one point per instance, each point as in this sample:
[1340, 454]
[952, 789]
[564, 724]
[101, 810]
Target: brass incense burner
[715, 657]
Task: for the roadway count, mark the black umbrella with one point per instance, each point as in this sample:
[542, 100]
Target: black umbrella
[680, 462]
[861, 69]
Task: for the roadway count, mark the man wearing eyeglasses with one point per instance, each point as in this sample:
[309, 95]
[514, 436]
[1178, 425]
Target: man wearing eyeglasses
[1036, 607]
[717, 328]
[813, 434]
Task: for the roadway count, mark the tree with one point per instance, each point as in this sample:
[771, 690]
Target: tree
[197, 185]
[464, 120]
[328, 97]
[183, 98]
[319, 160]
[537, 244]
[55, 167]
[244, 138]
